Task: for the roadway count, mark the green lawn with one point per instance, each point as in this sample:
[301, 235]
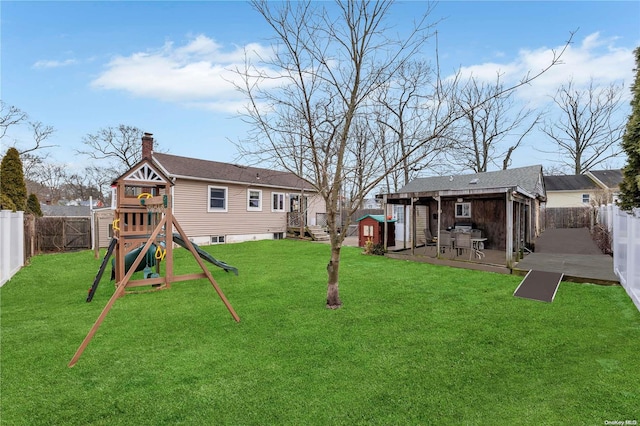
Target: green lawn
[414, 344]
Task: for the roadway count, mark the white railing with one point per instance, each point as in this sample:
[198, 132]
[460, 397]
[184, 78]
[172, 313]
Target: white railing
[626, 251]
[11, 244]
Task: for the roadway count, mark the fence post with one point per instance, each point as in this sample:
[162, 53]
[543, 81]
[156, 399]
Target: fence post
[633, 284]
[17, 251]
[11, 244]
[5, 243]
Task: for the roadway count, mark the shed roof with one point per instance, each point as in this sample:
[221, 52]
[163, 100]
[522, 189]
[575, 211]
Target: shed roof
[193, 168]
[569, 183]
[527, 178]
[376, 217]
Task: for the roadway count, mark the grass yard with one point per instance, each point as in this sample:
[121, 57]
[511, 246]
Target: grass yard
[414, 344]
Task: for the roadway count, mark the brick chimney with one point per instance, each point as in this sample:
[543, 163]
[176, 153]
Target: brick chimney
[147, 145]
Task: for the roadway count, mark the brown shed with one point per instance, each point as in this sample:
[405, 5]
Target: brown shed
[371, 227]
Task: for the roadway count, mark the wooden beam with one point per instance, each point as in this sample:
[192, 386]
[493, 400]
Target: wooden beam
[205, 270]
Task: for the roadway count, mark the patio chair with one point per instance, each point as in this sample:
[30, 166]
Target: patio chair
[463, 242]
[429, 239]
[446, 241]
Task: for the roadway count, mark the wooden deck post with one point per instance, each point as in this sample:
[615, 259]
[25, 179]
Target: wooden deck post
[509, 230]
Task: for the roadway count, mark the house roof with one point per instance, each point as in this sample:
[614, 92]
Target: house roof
[569, 183]
[67, 211]
[609, 178]
[214, 171]
[376, 217]
[528, 178]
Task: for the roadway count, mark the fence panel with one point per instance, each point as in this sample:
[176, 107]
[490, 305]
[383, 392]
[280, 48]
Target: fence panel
[567, 217]
[63, 233]
[11, 244]
[626, 251]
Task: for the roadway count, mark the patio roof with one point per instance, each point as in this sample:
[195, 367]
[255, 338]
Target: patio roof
[525, 180]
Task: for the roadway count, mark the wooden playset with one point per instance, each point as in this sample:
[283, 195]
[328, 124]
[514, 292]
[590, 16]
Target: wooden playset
[143, 231]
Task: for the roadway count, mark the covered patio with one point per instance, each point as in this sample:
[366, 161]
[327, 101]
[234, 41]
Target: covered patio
[499, 209]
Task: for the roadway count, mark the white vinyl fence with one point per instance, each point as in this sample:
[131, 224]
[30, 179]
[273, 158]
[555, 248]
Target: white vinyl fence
[11, 244]
[626, 250]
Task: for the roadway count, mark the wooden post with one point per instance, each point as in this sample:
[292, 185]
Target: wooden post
[439, 242]
[384, 209]
[413, 228]
[509, 230]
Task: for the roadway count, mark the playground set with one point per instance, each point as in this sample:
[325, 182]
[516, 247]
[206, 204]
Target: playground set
[143, 237]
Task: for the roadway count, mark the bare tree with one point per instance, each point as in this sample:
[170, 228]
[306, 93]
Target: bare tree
[588, 128]
[118, 148]
[311, 101]
[489, 131]
[404, 122]
[10, 116]
[51, 177]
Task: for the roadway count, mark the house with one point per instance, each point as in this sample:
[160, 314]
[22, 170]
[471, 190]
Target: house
[504, 205]
[219, 202]
[592, 188]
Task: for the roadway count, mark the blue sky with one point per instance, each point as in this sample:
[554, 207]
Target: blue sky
[160, 66]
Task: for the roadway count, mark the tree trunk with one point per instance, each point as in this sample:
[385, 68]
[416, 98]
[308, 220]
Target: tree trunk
[333, 268]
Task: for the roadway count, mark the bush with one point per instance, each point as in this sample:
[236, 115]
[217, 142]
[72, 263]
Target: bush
[6, 203]
[374, 249]
[33, 205]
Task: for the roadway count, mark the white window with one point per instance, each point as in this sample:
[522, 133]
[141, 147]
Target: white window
[217, 199]
[367, 230]
[463, 210]
[585, 198]
[254, 200]
[277, 202]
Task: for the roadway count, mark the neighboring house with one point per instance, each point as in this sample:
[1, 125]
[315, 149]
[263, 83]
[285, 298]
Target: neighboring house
[592, 188]
[65, 211]
[370, 204]
[504, 205]
[218, 202]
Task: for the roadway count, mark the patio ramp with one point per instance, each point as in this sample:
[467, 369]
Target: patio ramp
[539, 285]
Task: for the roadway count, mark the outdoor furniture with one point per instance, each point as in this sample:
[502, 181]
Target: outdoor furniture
[477, 242]
[446, 241]
[429, 240]
[463, 242]
[478, 245]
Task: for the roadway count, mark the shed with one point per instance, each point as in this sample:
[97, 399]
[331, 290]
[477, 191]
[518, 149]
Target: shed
[371, 227]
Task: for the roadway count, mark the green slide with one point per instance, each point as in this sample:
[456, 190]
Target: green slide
[204, 255]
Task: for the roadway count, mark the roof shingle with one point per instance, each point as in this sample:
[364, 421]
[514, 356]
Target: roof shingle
[193, 168]
[527, 178]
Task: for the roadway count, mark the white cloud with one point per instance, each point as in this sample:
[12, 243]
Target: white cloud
[198, 74]
[594, 57]
[45, 63]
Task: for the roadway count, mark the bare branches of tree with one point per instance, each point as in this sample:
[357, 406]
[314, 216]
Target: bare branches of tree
[588, 128]
[118, 148]
[10, 116]
[491, 128]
